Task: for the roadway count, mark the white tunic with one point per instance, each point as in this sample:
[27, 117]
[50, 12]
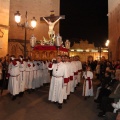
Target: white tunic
[68, 66]
[75, 70]
[46, 75]
[79, 71]
[29, 74]
[22, 67]
[86, 90]
[57, 82]
[37, 82]
[14, 71]
[41, 73]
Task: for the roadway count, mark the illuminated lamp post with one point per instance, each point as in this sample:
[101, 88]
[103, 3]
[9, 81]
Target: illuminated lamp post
[25, 25]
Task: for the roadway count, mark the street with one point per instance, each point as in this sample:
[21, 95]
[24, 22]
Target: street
[35, 106]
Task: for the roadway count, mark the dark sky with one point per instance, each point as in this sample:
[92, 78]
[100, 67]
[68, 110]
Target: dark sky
[84, 19]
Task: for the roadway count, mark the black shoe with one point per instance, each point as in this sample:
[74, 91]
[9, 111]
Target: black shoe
[55, 102]
[64, 101]
[33, 90]
[21, 94]
[14, 97]
[29, 91]
[68, 97]
[60, 106]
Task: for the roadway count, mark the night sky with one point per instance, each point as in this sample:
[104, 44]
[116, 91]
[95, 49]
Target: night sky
[84, 19]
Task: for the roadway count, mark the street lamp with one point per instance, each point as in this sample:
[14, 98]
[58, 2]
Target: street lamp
[107, 45]
[25, 25]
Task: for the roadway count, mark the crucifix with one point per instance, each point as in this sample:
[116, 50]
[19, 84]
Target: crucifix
[51, 21]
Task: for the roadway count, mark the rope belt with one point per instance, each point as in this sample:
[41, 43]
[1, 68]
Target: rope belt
[14, 76]
[57, 76]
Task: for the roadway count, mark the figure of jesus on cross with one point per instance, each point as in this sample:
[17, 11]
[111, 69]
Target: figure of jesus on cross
[51, 21]
[51, 32]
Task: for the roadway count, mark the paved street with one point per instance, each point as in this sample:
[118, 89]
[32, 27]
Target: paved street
[35, 106]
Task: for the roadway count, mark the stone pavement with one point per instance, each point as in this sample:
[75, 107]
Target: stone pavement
[35, 106]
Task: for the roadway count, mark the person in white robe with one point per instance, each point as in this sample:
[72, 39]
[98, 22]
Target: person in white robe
[14, 78]
[34, 82]
[46, 75]
[72, 71]
[75, 72]
[87, 86]
[29, 75]
[22, 67]
[37, 82]
[79, 69]
[68, 65]
[59, 79]
[41, 73]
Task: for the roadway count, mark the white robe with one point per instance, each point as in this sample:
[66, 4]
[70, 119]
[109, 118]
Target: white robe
[14, 79]
[41, 73]
[37, 82]
[57, 82]
[46, 75]
[72, 70]
[68, 89]
[35, 75]
[29, 74]
[74, 65]
[79, 71]
[86, 90]
[22, 67]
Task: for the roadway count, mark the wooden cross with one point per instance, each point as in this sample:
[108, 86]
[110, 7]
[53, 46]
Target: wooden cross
[52, 17]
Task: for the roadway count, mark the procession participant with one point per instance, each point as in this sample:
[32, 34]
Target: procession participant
[53, 61]
[87, 86]
[65, 87]
[29, 75]
[22, 67]
[75, 73]
[46, 75]
[34, 82]
[41, 72]
[68, 65]
[79, 69]
[58, 80]
[14, 72]
[72, 76]
[37, 82]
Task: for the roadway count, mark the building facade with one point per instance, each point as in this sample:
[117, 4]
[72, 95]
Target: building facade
[34, 8]
[87, 51]
[4, 26]
[114, 28]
